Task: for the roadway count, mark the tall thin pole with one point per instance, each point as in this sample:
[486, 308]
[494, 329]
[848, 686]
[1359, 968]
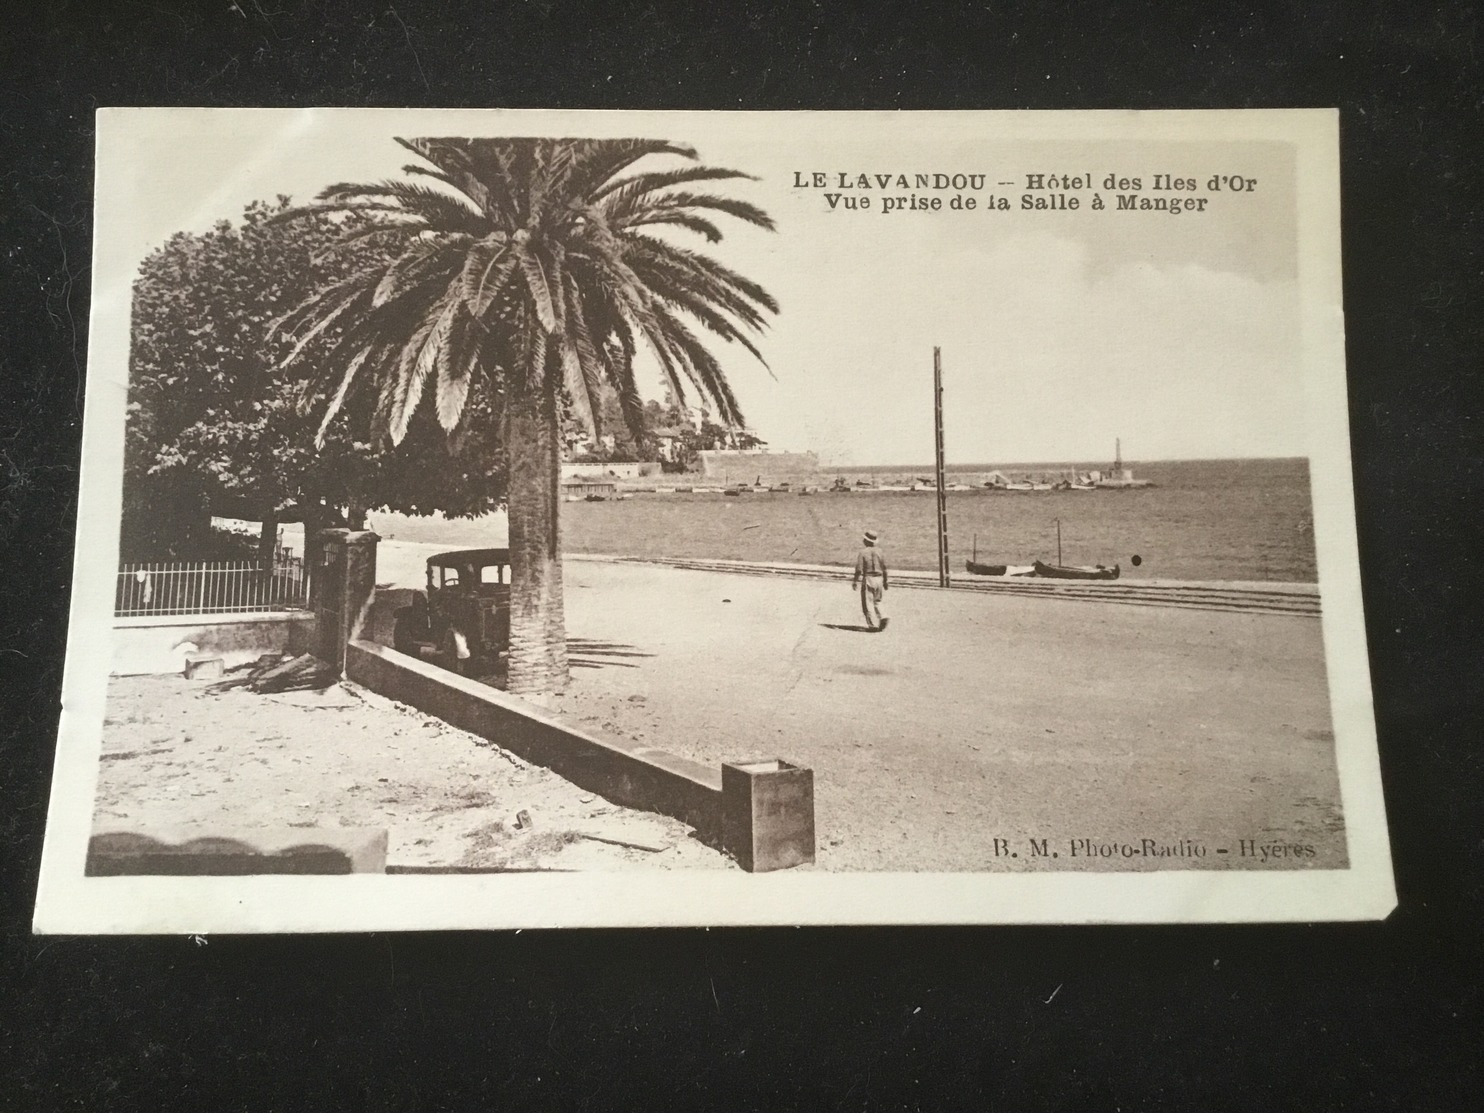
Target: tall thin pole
[942, 495]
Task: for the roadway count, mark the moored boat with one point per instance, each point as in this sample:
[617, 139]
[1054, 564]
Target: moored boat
[978, 569]
[1076, 572]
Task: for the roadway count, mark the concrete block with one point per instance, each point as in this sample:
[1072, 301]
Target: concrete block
[204, 668]
[767, 814]
[290, 850]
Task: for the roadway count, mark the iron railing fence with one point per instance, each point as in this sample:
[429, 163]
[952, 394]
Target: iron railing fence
[212, 587]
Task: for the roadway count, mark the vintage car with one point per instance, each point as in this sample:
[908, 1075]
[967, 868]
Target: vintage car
[465, 611]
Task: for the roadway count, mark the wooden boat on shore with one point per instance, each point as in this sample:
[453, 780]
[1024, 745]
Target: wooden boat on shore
[976, 568]
[1000, 571]
[1075, 572]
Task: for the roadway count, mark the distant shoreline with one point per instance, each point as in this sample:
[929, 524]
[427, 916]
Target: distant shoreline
[1054, 465]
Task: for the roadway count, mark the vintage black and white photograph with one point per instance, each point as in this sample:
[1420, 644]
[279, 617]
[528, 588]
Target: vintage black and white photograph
[552, 518]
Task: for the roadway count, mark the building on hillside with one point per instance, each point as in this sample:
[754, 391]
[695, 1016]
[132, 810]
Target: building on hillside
[668, 445]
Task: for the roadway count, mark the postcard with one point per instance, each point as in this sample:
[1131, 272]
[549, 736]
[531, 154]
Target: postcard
[516, 519]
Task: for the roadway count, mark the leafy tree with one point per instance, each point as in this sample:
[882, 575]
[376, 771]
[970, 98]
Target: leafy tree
[217, 422]
[530, 265]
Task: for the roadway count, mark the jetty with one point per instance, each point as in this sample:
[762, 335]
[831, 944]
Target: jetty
[1118, 475]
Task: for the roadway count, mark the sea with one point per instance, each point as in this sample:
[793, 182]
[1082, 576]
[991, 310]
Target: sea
[1202, 520]
[1213, 520]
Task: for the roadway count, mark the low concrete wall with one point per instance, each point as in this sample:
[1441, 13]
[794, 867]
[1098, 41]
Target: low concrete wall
[627, 773]
[612, 470]
[160, 643]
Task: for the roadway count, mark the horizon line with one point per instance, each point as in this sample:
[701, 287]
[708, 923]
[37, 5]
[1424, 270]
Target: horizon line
[1082, 460]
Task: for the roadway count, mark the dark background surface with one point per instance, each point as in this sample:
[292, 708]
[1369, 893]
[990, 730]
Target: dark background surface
[1306, 1017]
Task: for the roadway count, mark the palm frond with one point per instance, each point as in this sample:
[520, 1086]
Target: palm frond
[359, 299]
[537, 284]
[443, 209]
[686, 299]
[477, 263]
[599, 160]
[556, 272]
[296, 318]
[454, 371]
[743, 210]
[424, 368]
[338, 399]
[680, 219]
[412, 267]
[366, 236]
[422, 171]
[706, 371]
[701, 267]
[626, 190]
[585, 367]
[493, 281]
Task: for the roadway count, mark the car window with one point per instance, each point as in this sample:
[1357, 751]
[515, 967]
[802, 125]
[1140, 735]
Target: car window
[492, 574]
[450, 577]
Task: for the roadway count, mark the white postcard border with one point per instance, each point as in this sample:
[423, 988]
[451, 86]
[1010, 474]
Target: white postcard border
[69, 902]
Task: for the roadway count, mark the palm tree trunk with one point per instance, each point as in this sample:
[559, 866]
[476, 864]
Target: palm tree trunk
[538, 631]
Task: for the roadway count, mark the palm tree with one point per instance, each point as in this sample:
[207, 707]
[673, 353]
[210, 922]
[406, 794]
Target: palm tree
[529, 270]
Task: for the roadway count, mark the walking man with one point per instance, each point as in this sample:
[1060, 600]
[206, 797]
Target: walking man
[870, 575]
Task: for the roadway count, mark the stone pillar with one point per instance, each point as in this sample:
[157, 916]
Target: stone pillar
[344, 591]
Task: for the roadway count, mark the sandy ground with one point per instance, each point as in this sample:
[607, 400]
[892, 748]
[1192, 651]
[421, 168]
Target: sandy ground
[176, 755]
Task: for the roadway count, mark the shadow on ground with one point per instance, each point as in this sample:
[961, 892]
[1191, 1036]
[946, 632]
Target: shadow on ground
[585, 653]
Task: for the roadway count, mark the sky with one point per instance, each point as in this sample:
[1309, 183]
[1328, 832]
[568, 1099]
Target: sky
[1059, 330]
